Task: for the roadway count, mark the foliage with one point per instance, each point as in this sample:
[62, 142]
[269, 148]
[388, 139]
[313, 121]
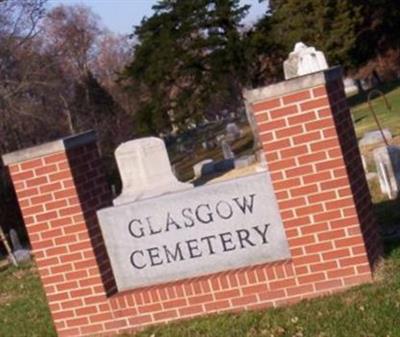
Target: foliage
[189, 56]
[265, 54]
[380, 29]
[329, 25]
[25, 76]
[47, 84]
[23, 307]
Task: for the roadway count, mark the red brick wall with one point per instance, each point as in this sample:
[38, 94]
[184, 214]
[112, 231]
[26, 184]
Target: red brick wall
[314, 164]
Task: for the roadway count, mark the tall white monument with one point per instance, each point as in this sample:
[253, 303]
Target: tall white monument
[145, 170]
[304, 60]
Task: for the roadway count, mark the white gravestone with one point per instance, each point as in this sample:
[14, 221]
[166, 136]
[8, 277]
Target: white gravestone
[244, 161]
[387, 161]
[350, 86]
[145, 170]
[232, 132]
[226, 150]
[304, 60]
[209, 229]
[375, 137]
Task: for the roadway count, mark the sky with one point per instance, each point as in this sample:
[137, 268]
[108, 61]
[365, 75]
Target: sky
[120, 16]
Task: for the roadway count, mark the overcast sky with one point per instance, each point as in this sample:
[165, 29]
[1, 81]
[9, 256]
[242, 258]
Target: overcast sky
[121, 15]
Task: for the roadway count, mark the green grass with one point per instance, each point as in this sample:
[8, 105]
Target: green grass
[388, 118]
[371, 310]
[23, 306]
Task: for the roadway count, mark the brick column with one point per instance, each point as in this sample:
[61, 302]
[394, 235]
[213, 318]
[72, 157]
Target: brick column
[59, 186]
[311, 148]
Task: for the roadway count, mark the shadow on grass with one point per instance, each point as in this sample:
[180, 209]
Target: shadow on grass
[388, 214]
[362, 97]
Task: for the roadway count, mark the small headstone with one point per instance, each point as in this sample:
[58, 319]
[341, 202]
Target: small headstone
[232, 132]
[181, 148]
[304, 60]
[145, 170]
[387, 161]
[226, 150]
[364, 163]
[20, 253]
[371, 176]
[350, 86]
[375, 78]
[359, 85]
[375, 137]
[262, 162]
[203, 168]
[15, 242]
[244, 161]
[114, 191]
[365, 85]
[219, 138]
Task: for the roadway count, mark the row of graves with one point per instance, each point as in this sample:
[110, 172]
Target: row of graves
[300, 225]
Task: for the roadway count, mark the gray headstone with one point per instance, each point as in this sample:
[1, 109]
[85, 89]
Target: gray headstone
[232, 132]
[375, 137]
[244, 161]
[371, 176]
[364, 163]
[20, 253]
[262, 162]
[226, 150]
[15, 242]
[350, 86]
[387, 161]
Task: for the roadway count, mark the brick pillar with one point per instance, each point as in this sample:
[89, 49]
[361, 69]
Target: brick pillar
[59, 186]
[308, 139]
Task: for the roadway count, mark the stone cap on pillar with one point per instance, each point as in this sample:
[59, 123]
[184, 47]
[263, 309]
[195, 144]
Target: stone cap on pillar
[294, 84]
[60, 145]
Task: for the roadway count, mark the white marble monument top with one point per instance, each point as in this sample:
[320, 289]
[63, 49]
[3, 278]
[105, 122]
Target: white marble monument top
[304, 60]
[145, 170]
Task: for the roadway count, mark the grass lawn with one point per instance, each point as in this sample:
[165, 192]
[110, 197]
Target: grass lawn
[388, 118]
[365, 311]
[371, 310]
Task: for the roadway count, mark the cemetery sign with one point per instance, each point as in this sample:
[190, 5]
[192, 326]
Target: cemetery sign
[218, 227]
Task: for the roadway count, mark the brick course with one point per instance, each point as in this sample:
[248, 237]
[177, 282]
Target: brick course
[311, 150]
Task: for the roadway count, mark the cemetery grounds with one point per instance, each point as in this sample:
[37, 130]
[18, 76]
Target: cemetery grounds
[365, 311]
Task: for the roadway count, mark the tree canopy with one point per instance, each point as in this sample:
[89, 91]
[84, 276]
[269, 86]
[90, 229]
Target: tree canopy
[186, 52]
[329, 25]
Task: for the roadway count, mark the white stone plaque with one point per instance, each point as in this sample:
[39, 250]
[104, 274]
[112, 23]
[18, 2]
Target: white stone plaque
[213, 228]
